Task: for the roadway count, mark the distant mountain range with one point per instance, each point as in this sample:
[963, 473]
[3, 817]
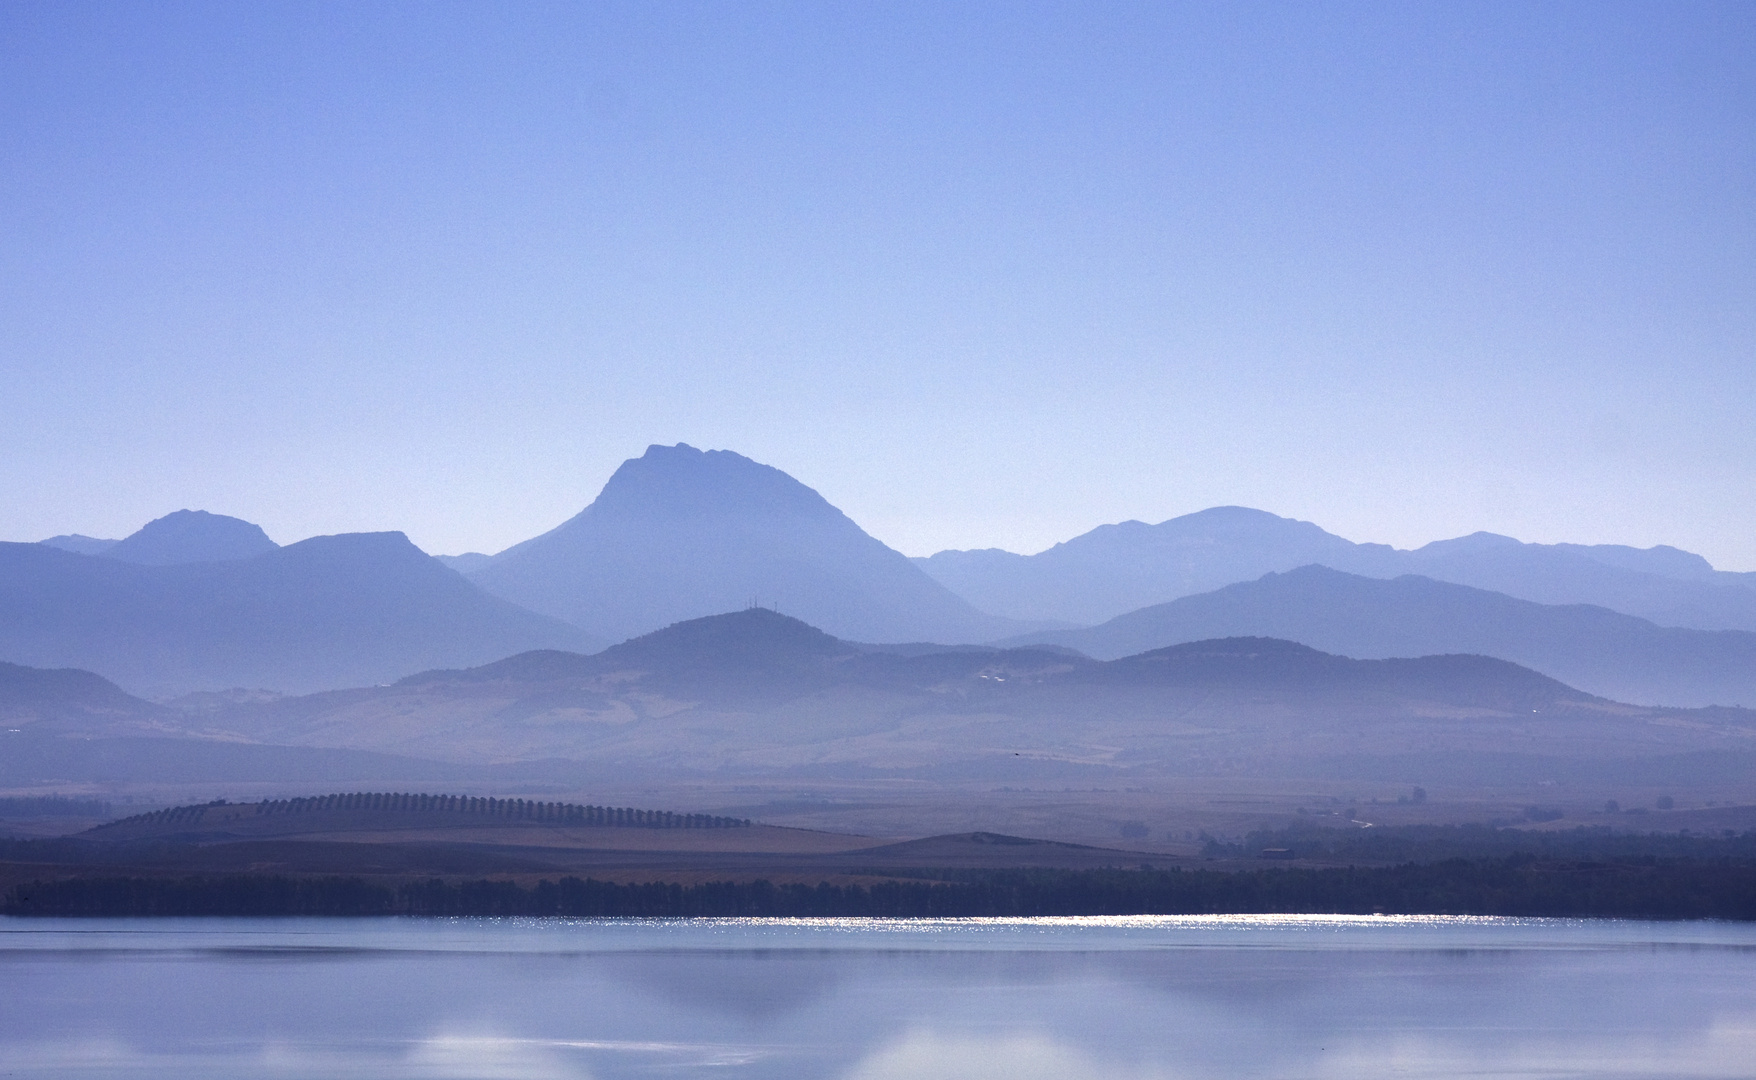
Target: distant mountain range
[326, 612]
[1115, 569]
[69, 726]
[680, 533]
[187, 536]
[1602, 651]
[68, 701]
[760, 694]
[80, 544]
[193, 536]
[201, 601]
[757, 692]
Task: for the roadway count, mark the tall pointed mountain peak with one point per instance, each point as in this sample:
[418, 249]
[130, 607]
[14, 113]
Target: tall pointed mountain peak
[680, 533]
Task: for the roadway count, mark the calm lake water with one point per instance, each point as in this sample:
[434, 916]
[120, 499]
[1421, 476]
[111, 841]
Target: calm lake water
[1068, 999]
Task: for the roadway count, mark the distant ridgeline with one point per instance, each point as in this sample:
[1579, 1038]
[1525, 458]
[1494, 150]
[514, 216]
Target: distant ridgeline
[551, 813]
[53, 806]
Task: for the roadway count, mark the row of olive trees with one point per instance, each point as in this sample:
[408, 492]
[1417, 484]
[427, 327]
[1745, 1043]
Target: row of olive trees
[173, 815]
[409, 802]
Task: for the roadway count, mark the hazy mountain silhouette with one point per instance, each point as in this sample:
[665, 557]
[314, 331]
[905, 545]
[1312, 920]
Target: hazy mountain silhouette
[1601, 651]
[754, 692]
[680, 533]
[80, 544]
[192, 536]
[1667, 586]
[467, 563]
[69, 726]
[1117, 568]
[1663, 560]
[757, 692]
[35, 759]
[68, 700]
[326, 612]
[1114, 569]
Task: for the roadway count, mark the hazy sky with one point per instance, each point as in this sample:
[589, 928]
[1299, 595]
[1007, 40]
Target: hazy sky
[982, 274]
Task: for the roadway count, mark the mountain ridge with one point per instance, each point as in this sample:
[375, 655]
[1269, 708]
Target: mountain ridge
[1604, 652]
[192, 536]
[755, 692]
[1113, 569]
[79, 543]
[681, 533]
[325, 612]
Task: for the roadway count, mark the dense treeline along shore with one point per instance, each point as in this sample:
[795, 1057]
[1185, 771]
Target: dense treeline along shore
[32, 807]
[1437, 843]
[1517, 886]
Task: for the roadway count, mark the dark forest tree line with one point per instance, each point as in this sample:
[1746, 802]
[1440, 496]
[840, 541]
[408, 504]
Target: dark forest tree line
[50, 806]
[1434, 843]
[1519, 886]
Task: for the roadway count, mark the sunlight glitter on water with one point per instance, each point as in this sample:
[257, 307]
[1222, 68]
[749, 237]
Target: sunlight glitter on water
[1123, 998]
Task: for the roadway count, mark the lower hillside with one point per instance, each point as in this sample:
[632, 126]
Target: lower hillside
[377, 811]
[356, 854]
[755, 693]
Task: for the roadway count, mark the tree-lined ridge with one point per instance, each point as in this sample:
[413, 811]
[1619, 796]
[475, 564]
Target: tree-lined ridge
[220, 812]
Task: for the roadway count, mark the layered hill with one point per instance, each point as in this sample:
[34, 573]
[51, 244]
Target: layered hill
[192, 536]
[376, 814]
[1661, 584]
[186, 536]
[1117, 568]
[1114, 569]
[1605, 652]
[80, 544]
[66, 726]
[755, 692]
[331, 611]
[409, 834]
[68, 701]
[681, 533]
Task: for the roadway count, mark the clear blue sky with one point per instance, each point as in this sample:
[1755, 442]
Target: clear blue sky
[982, 274]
